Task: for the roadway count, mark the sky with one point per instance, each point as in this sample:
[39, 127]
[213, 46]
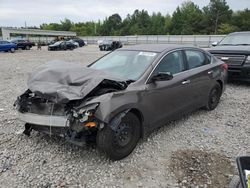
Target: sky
[15, 13]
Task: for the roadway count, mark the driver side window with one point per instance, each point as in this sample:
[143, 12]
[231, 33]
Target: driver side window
[172, 63]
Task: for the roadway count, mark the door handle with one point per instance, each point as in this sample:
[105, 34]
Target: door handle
[210, 72]
[185, 82]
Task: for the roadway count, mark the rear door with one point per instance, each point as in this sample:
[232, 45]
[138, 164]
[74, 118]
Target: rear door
[201, 75]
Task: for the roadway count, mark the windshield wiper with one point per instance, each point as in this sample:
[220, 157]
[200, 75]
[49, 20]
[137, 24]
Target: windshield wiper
[130, 81]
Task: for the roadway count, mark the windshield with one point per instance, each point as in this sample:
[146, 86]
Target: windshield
[127, 65]
[58, 42]
[236, 39]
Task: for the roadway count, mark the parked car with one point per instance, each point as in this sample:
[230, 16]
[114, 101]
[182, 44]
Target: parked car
[75, 43]
[62, 45]
[234, 49]
[23, 44]
[109, 45]
[6, 46]
[121, 97]
[80, 42]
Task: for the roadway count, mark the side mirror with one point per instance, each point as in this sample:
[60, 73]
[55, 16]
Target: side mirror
[214, 43]
[162, 76]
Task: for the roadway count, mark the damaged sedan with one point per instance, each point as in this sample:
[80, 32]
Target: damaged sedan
[121, 97]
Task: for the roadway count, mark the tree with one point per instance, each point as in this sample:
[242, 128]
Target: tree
[111, 25]
[217, 12]
[66, 25]
[140, 22]
[241, 19]
[186, 19]
[226, 28]
[157, 26]
[168, 24]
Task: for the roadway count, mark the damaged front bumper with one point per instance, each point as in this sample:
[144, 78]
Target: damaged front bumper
[43, 120]
[73, 121]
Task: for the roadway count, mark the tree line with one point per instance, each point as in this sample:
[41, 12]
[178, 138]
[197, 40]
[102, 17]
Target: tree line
[188, 19]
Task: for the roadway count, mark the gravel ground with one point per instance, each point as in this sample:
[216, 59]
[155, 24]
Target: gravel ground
[161, 160]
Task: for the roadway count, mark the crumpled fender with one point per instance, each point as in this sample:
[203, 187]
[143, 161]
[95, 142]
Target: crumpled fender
[111, 104]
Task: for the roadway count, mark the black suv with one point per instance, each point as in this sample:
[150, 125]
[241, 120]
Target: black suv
[23, 44]
[234, 49]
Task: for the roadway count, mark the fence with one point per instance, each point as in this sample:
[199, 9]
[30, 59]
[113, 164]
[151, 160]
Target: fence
[197, 40]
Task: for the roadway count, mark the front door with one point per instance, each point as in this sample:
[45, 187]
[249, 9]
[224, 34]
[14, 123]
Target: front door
[167, 99]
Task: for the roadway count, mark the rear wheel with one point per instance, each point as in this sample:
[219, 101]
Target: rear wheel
[214, 97]
[120, 140]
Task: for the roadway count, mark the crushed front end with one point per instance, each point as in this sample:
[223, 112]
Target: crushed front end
[73, 120]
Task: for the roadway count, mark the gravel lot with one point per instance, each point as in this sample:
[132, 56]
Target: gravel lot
[199, 149]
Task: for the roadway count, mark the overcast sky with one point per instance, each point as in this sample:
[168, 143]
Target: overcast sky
[36, 12]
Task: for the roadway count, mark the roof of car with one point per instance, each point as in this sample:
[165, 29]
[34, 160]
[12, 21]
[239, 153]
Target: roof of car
[155, 47]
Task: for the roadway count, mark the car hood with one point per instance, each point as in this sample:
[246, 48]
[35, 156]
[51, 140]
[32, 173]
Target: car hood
[61, 82]
[231, 49]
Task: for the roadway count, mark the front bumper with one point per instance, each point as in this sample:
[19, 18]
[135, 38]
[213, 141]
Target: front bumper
[44, 120]
[239, 73]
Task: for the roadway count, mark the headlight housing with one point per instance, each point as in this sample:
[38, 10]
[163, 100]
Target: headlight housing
[84, 113]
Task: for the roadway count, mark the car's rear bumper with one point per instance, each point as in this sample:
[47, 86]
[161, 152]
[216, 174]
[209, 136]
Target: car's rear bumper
[43, 120]
[239, 73]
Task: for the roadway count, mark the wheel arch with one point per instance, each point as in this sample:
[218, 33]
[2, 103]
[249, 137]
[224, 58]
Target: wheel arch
[136, 112]
[221, 85]
[140, 117]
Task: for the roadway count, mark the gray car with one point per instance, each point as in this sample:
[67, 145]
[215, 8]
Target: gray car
[122, 96]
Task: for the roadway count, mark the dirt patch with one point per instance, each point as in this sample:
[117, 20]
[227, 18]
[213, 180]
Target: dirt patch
[196, 167]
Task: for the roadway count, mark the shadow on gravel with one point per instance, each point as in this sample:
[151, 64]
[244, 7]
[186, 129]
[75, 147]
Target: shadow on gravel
[61, 144]
[198, 168]
[238, 83]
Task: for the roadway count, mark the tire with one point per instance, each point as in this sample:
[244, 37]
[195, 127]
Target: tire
[27, 47]
[12, 50]
[235, 182]
[120, 141]
[214, 97]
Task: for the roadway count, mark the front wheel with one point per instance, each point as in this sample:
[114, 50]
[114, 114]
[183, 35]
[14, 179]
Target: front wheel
[12, 50]
[120, 140]
[214, 97]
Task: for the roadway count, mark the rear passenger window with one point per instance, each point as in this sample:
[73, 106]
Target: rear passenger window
[195, 58]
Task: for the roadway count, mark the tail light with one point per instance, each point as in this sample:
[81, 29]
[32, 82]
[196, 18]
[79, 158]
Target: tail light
[225, 66]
